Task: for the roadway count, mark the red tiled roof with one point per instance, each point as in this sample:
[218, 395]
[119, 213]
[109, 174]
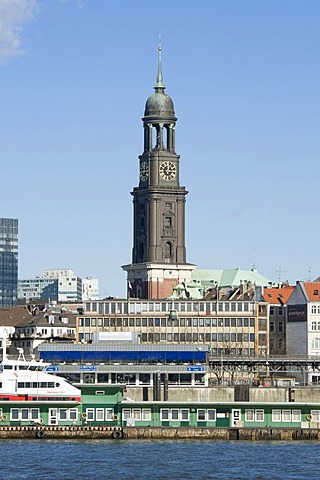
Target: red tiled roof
[313, 291]
[277, 295]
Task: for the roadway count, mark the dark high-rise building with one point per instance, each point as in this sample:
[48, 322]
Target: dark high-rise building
[159, 250]
[8, 261]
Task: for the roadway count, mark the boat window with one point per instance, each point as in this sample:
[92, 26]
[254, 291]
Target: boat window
[14, 414]
[211, 414]
[201, 415]
[34, 414]
[184, 414]
[146, 414]
[109, 414]
[24, 414]
[296, 415]
[63, 414]
[73, 414]
[90, 414]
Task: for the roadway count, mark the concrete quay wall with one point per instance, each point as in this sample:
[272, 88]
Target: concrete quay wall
[180, 433]
[159, 433]
[42, 432]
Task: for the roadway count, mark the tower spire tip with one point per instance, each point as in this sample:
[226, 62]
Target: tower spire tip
[159, 83]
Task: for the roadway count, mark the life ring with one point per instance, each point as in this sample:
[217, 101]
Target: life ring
[309, 417]
[41, 420]
[83, 415]
[116, 434]
[4, 418]
[115, 417]
[40, 434]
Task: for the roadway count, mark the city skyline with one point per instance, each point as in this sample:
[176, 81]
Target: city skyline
[244, 81]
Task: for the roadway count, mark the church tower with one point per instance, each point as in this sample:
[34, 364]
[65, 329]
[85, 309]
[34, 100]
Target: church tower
[159, 251]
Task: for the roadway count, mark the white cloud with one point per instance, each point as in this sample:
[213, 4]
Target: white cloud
[13, 15]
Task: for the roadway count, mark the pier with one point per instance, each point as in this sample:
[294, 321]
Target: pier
[158, 433]
[66, 432]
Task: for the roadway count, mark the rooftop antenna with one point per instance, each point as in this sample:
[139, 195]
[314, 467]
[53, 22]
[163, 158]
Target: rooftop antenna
[280, 272]
[254, 268]
[309, 272]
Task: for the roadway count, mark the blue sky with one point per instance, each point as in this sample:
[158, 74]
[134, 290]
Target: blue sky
[244, 77]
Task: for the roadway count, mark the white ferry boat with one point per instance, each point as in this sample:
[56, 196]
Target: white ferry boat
[23, 380]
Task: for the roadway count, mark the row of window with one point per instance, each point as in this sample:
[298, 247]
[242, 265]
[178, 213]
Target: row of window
[170, 414]
[166, 414]
[33, 414]
[315, 309]
[24, 414]
[99, 414]
[257, 415]
[68, 414]
[133, 307]
[38, 384]
[210, 415]
[315, 325]
[183, 414]
[190, 337]
[168, 322]
[143, 414]
[277, 345]
[279, 311]
[131, 378]
[233, 351]
[272, 327]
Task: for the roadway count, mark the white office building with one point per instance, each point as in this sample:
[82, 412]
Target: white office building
[61, 285]
[90, 289]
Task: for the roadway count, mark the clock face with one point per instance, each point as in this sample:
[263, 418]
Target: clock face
[144, 171]
[167, 170]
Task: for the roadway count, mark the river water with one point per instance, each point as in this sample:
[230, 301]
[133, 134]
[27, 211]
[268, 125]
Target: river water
[139, 459]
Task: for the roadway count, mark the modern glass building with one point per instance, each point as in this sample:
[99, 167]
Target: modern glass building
[8, 261]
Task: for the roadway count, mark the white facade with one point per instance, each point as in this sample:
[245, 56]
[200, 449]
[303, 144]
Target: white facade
[69, 288]
[90, 289]
[60, 272]
[303, 323]
[40, 328]
[61, 285]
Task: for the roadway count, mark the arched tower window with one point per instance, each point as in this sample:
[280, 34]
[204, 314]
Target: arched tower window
[168, 250]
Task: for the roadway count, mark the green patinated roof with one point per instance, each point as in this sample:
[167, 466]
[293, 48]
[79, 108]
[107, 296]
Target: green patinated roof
[203, 280]
[230, 278]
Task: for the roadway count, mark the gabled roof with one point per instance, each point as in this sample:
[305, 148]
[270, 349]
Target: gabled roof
[10, 316]
[278, 296]
[312, 290]
[42, 320]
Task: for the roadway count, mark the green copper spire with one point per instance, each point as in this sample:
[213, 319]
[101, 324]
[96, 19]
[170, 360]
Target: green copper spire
[159, 87]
